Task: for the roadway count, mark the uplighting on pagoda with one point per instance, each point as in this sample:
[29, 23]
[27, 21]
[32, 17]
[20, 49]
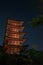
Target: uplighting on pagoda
[14, 36]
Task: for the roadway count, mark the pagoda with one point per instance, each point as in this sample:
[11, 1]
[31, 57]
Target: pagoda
[14, 36]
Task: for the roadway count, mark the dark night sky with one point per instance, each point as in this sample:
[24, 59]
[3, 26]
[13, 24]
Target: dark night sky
[22, 10]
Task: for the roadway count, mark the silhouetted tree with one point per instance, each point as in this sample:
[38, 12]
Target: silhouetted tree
[37, 21]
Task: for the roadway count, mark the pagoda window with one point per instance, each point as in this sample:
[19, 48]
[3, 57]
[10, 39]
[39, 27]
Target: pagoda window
[11, 42]
[17, 43]
[15, 35]
[15, 50]
[14, 42]
[14, 29]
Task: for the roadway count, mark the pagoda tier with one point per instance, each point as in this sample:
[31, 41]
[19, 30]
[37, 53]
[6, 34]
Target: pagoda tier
[13, 32]
[15, 35]
[15, 29]
[14, 41]
[15, 23]
[11, 48]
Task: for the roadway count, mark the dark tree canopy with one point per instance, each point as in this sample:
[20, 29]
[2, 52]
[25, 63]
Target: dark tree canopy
[37, 21]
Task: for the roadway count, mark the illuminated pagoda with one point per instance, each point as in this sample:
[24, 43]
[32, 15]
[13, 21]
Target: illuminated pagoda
[14, 36]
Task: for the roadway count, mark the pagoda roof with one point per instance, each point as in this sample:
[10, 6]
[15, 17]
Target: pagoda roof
[11, 20]
[10, 25]
[17, 27]
[17, 46]
[15, 39]
[15, 22]
[19, 33]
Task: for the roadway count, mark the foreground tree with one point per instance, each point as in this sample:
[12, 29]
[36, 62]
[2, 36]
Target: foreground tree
[37, 21]
[37, 56]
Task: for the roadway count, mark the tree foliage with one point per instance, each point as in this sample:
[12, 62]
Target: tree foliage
[37, 21]
[36, 57]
